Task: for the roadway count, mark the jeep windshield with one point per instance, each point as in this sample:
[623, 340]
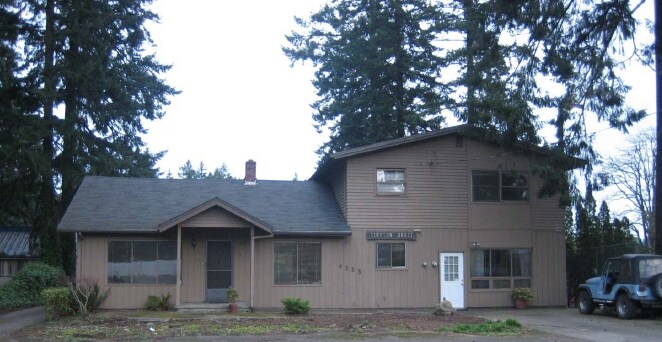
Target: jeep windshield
[649, 267]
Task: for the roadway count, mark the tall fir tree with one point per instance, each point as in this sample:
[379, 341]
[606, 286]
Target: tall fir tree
[20, 144]
[377, 74]
[86, 57]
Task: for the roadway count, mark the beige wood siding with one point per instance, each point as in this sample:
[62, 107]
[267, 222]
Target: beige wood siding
[350, 278]
[216, 218]
[436, 188]
[549, 276]
[339, 186]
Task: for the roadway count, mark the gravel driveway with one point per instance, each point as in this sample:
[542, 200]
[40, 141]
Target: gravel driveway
[570, 323]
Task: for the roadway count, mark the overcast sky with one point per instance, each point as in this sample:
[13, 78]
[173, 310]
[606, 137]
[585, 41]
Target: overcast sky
[241, 99]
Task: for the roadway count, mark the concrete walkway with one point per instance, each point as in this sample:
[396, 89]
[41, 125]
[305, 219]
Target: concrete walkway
[16, 320]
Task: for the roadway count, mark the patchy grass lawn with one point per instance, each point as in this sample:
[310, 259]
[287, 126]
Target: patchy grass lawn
[121, 325]
[508, 327]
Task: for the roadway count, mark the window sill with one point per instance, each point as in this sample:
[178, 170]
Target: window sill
[301, 285]
[399, 194]
[490, 290]
[501, 202]
[391, 269]
[121, 284]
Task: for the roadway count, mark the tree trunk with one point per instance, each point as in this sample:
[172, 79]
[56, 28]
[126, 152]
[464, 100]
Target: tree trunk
[658, 159]
[470, 78]
[45, 222]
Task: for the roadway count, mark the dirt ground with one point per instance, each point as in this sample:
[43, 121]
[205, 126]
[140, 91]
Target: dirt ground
[119, 325]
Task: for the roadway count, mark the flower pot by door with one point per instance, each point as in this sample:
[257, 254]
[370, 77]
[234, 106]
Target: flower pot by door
[520, 303]
[232, 307]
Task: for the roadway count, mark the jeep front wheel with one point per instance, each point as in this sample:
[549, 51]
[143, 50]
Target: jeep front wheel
[657, 285]
[586, 305]
[625, 308]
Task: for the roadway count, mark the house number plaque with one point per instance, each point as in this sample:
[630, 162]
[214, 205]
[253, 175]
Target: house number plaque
[390, 235]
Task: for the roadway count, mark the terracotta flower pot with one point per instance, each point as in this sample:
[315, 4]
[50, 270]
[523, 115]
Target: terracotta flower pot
[232, 307]
[520, 303]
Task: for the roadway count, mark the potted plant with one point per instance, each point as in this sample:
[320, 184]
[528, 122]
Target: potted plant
[232, 296]
[522, 296]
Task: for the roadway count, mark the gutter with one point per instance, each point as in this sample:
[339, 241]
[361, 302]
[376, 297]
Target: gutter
[314, 233]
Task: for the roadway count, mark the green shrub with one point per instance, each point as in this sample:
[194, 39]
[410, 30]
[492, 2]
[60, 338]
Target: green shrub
[58, 301]
[155, 303]
[24, 289]
[87, 295]
[295, 306]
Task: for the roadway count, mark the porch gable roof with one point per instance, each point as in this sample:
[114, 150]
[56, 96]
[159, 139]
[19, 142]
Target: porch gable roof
[151, 205]
[214, 202]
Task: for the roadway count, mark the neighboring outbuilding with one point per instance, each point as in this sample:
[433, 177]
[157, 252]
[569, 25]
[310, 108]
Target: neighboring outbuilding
[399, 224]
[15, 250]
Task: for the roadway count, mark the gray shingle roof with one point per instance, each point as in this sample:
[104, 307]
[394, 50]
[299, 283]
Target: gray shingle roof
[15, 242]
[114, 204]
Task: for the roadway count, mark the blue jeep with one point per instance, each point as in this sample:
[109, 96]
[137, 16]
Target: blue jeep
[630, 282]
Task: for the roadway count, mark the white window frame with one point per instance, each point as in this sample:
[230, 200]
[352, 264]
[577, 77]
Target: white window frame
[382, 180]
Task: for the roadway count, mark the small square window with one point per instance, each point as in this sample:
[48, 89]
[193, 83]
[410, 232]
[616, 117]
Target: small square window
[390, 181]
[495, 186]
[485, 186]
[514, 186]
[391, 255]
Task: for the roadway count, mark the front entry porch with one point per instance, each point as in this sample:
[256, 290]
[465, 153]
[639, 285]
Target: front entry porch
[212, 260]
[215, 252]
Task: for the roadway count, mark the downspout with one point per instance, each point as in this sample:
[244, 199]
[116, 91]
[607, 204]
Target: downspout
[178, 286]
[253, 237]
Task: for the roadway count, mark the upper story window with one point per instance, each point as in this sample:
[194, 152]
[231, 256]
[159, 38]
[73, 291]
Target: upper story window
[390, 181]
[495, 186]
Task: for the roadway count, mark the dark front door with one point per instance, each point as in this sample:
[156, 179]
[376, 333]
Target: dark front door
[219, 270]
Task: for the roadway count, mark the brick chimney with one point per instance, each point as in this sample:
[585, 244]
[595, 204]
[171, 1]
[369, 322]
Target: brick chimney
[250, 177]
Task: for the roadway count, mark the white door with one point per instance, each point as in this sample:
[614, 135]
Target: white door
[451, 274]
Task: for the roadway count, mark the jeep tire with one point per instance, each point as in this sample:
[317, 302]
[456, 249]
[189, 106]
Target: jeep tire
[585, 303]
[657, 285]
[625, 308]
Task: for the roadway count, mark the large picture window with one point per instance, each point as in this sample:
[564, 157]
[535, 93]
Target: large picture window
[500, 268]
[142, 262]
[297, 263]
[390, 254]
[495, 186]
[390, 181]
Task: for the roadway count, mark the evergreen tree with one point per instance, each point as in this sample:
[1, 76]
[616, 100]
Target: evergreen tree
[20, 145]
[378, 72]
[85, 57]
[186, 171]
[220, 173]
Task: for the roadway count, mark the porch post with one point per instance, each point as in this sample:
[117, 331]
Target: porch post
[252, 263]
[178, 286]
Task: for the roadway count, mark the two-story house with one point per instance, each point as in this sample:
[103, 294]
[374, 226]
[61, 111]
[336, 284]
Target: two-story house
[398, 224]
